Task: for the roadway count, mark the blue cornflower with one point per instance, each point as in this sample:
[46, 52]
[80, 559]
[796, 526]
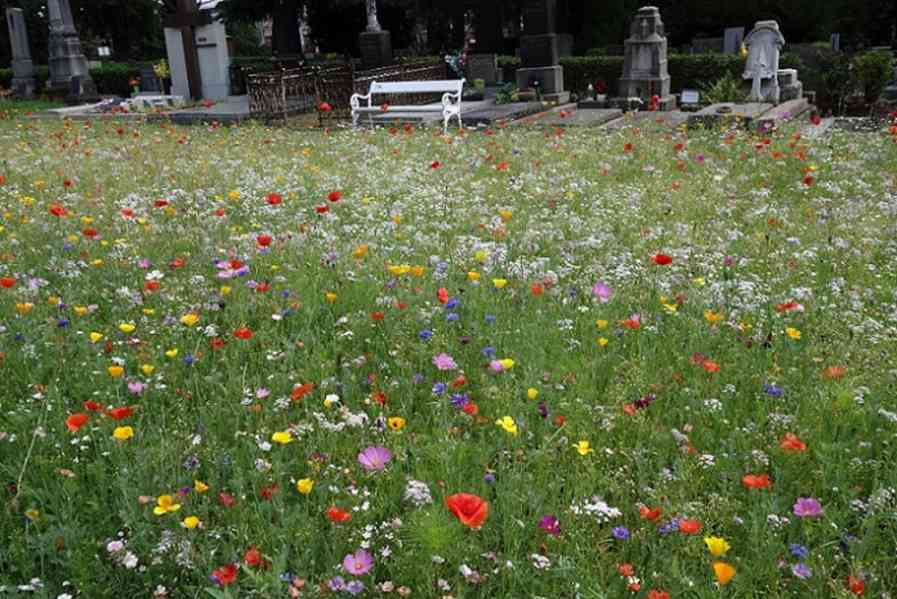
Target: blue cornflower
[488, 351]
[355, 587]
[773, 390]
[337, 583]
[62, 323]
[489, 478]
[189, 359]
[490, 319]
[669, 527]
[452, 316]
[425, 335]
[439, 388]
[798, 551]
[621, 533]
[452, 303]
[459, 400]
[801, 571]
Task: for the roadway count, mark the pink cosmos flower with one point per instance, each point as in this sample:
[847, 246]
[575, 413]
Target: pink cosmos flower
[374, 458]
[602, 291]
[807, 507]
[136, 387]
[444, 362]
[358, 563]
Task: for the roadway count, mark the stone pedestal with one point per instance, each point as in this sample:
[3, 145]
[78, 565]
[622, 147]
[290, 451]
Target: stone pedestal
[376, 49]
[548, 80]
[645, 73]
[790, 88]
[66, 60]
[23, 81]
[539, 53]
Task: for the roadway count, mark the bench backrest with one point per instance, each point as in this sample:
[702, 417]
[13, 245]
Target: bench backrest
[417, 87]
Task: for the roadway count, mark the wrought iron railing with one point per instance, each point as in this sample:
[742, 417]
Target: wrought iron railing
[289, 92]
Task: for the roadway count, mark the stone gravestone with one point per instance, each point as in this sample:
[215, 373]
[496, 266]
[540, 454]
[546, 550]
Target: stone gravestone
[645, 74]
[374, 43]
[23, 81]
[66, 58]
[539, 52]
[836, 42]
[483, 66]
[150, 82]
[732, 38]
[764, 44]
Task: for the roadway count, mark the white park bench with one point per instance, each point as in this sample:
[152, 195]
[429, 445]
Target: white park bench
[449, 88]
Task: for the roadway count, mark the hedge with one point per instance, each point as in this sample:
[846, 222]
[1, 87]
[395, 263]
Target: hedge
[111, 78]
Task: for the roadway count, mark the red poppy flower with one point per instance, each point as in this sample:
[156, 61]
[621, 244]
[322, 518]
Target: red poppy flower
[262, 287]
[7, 282]
[244, 333]
[471, 409]
[160, 203]
[334, 196]
[815, 119]
[58, 210]
[791, 442]
[300, 391]
[649, 514]
[76, 421]
[127, 212]
[459, 382]
[632, 324]
[630, 409]
[787, 306]
[225, 575]
[536, 289]
[661, 259]
[273, 199]
[470, 509]
[808, 180]
[151, 286]
[658, 594]
[325, 107]
[220, 212]
[252, 557]
[756, 481]
[834, 373]
[226, 499]
[560, 420]
[856, 585]
[502, 166]
[217, 343]
[322, 209]
[93, 406]
[627, 147]
[268, 492]
[688, 526]
[626, 570]
[710, 366]
[442, 295]
[334, 514]
[377, 316]
[435, 164]
[89, 232]
[120, 413]
[177, 263]
[264, 240]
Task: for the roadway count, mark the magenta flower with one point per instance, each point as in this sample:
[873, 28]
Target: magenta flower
[358, 563]
[374, 458]
[602, 291]
[807, 507]
[495, 366]
[136, 387]
[444, 362]
[551, 525]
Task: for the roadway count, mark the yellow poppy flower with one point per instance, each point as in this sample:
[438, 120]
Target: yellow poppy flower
[601, 323]
[115, 371]
[191, 522]
[282, 437]
[123, 433]
[508, 424]
[792, 332]
[24, 308]
[532, 393]
[603, 341]
[305, 485]
[712, 317]
[396, 423]
[189, 319]
[80, 310]
[717, 546]
[360, 251]
[95, 337]
[583, 448]
[473, 276]
[165, 504]
[172, 353]
[506, 363]
[200, 487]
[499, 283]
[330, 297]
[147, 369]
[126, 327]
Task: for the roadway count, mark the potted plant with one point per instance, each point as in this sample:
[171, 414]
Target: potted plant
[164, 74]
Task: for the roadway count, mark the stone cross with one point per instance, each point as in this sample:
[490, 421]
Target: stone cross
[764, 44]
[23, 82]
[187, 18]
[373, 23]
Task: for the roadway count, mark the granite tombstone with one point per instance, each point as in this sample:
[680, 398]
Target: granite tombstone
[23, 80]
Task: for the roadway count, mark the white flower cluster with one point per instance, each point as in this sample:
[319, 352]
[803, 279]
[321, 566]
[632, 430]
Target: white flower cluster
[596, 508]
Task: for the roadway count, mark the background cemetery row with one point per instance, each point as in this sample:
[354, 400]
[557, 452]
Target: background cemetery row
[828, 45]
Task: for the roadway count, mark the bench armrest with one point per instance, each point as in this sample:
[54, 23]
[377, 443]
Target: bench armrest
[355, 100]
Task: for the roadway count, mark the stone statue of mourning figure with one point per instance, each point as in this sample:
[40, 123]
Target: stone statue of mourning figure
[764, 44]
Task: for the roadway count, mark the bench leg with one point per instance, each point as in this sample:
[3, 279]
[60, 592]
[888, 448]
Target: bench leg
[354, 120]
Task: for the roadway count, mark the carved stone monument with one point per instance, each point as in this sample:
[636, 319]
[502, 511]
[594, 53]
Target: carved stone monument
[196, 43]
[375, 44]
[539, 52]
[23, 81]
[764, 44]
[67, 61]
[645, 74]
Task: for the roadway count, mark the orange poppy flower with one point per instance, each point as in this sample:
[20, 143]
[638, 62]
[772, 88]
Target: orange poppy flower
[688, 526]
[651, 514]
[337, 515]
[756, 481]
[834, 372]
[470, 509]
[791, 442]
[76, 421]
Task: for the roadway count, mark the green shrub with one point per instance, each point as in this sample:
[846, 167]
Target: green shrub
[837, 79]
[111, 78]
[873, 70]
[728, 88]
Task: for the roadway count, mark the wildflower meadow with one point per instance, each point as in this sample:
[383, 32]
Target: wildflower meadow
[517, 362]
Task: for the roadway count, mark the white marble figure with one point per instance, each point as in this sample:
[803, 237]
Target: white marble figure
[373, 23]
[764, 44]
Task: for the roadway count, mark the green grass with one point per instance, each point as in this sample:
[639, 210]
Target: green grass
[15, 108]
[711, 358]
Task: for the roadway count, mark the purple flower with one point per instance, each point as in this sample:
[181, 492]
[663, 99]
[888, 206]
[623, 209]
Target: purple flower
[489, 478]
[336, 583]
[136, 387]
[669, 527]
[444, 361]
[425, 335]
[773, 390]
[602, 292]
[439, 388]
[621, 533]
[459, 400]
[807, 507]
[358, 563]
[374, 458]
[355, 587]
[801, 571]
[551, 525]
[798, 550]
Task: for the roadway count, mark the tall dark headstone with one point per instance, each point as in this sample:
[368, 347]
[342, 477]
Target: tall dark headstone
[645, 74]
[23, 81]
[67, 61]
[539, 51]
[374, 43]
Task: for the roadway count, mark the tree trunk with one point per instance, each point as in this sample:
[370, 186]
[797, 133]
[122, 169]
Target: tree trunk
[286, 40]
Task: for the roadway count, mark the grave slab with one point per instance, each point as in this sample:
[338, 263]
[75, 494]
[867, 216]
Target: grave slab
[728, 112]
[579, 117]
[785, 111]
